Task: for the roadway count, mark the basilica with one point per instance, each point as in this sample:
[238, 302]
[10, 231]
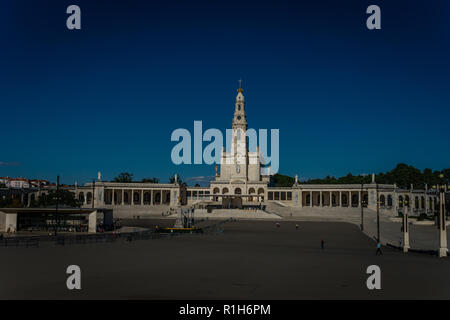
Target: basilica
[241, 182]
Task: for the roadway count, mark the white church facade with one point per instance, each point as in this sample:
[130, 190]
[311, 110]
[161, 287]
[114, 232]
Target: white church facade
[241, 182]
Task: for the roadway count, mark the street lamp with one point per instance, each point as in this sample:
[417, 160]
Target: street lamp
[362, 207]
[405, 225]
[442, 220]
[378, 215]
[57, 203]
[362, 203]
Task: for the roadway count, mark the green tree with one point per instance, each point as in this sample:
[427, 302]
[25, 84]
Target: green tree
[280, 180]
[66, 198]
[403, 175]
[124, 177]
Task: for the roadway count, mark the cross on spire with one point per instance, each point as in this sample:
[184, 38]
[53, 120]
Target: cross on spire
[240, 86]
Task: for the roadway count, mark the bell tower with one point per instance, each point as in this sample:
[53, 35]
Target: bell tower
[239, 149]
[240, 119]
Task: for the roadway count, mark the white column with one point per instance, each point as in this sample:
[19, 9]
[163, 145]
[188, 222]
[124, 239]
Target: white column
[349, 199]
[142, 197]
[161, 197]
[123, 196]
[320, 199]
[92, 227]
[301, 198]
[405, 229]
[311, 199]
[331, 199]
[359, 199]
[152, 200]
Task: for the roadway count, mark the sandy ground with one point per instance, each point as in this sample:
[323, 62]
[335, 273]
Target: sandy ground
[249, 260]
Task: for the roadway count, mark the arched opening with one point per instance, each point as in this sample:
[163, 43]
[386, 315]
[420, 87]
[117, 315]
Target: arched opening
[389, 200]
[136, 198]
[422, 202]
[382, 200]
[157, 197]
[354, 199]
[225, 191]
[261, 194]
[237, 191]
[308, 199]
[81, 197]
[125, 197]
[89, 198]
[416, 203]
[407, 201]
[147, 197]
[251, 191]
[216, 191]
[344, 199]
[168, 197]
[400, 201]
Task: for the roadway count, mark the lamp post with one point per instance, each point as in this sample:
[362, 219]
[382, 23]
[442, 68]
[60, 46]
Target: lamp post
[57, 203]
[405, 226]
[362, 206]
[378, 215]
[442, 221]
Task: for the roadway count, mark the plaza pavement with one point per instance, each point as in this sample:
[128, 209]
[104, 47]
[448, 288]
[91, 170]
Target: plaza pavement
[249, 260]
[422, 237]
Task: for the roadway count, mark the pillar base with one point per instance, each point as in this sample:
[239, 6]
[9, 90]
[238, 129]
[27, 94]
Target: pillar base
[405, 249]
[443, 252]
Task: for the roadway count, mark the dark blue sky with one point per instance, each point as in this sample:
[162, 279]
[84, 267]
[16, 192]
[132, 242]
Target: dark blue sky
[107, 97]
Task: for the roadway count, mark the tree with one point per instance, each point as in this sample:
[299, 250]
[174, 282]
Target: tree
[65, 198]
[280, 180]
[10, 203]
[124, 177]
[197, 185]
[150, 180]
[403, 175]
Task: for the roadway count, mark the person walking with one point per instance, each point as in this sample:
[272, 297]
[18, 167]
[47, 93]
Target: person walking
[296, 226]
[378, 249]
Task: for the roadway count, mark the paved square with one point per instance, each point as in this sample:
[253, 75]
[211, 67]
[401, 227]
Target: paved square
[250, 260]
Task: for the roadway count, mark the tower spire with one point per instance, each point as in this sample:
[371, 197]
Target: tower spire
[240, 86]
